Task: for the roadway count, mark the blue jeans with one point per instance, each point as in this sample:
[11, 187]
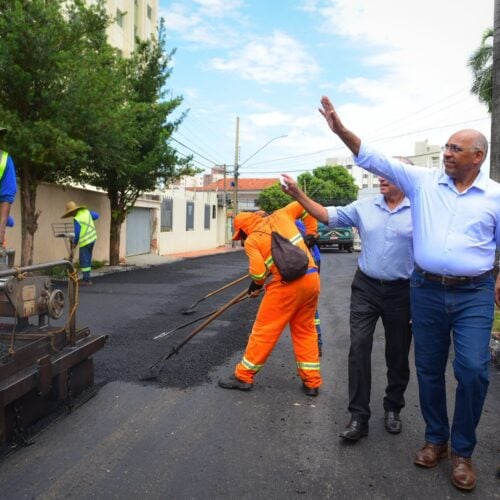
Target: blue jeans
[85, 258]
[463, 313]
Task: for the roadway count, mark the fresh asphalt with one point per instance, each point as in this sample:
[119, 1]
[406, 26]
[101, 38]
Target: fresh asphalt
[182, 437]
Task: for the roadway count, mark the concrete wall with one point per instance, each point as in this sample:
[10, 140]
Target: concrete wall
[51, 202]
[181, 240]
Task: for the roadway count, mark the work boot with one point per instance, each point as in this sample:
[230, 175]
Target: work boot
[310, 391]
[234, 383]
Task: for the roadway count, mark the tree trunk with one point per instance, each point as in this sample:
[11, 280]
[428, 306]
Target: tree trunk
[114, 242]
[495, 115]
[116, 222]
[29, 217]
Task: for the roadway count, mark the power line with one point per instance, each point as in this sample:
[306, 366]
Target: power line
[194, 151]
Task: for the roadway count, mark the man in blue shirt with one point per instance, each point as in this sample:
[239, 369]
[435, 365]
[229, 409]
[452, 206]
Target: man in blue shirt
[8, 187]
[380, 289]
[456, 230]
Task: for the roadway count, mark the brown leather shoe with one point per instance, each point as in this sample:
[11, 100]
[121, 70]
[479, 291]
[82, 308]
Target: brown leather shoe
[463, 475]
[430, 454]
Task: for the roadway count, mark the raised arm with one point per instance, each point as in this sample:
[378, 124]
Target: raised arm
[310, 206]
[351, 140]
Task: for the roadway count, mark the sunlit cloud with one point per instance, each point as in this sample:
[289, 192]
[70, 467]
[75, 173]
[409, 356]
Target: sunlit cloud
[275, 59]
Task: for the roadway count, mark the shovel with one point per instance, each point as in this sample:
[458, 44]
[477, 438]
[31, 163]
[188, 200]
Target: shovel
[155, 369]
[191, 308]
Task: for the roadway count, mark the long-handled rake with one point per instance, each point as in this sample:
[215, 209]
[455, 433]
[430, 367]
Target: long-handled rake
[191, 309]
[155, 369]
[180, 327]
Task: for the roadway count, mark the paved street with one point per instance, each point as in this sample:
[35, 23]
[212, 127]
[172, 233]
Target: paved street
[182, 437]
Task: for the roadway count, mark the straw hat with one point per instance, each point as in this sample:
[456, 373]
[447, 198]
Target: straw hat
[71, 209]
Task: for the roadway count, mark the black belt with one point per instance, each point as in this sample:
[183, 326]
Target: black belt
[400, 281]
[452, 280]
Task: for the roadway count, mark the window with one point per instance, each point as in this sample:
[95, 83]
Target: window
[150, 12]
[189, 215]
[214, 212]
[206, 218]
[167, 206]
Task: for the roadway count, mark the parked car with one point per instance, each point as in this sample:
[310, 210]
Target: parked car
[338, 237]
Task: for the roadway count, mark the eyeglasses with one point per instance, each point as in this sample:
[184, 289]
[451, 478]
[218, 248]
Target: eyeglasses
[457, 149]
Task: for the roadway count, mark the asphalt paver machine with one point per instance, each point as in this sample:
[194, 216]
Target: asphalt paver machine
[41, 366]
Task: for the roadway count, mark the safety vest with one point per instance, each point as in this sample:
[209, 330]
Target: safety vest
[3, 162]
[88, 234]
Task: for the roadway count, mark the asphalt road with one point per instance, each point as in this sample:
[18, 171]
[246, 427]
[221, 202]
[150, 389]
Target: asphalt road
[182, 437]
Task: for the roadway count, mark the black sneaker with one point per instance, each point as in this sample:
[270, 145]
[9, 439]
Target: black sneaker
[310, 391]
[234, 383]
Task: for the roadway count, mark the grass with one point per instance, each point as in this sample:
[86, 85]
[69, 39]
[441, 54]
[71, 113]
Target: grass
[496, 321]
[59, 272]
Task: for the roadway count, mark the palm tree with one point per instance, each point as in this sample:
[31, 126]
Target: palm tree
[481, 63]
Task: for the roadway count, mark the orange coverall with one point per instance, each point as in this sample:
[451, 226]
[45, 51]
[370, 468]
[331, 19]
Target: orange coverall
[292, 303]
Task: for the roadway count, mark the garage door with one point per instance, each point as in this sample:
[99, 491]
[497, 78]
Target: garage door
[138, 231]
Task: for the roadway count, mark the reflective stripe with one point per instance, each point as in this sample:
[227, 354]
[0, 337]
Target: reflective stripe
[85, 269]
[88, 233]
[250, 366]
[304, 365]
[258, 276]
[3, 162]
[296, 239]
[317, 321]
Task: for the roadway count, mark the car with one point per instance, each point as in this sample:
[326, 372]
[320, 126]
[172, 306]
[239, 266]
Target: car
[338, 237]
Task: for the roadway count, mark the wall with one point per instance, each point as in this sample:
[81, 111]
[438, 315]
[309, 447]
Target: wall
[181, 240]
[51, 202]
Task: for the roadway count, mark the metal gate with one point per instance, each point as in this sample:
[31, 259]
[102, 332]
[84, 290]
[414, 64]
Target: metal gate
[138, 231]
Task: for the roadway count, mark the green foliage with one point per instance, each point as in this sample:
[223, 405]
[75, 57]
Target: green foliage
[77, 111]
[329, 185]
[272, 198]
[481, 64]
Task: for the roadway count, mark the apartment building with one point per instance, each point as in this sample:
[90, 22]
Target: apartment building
[133, 18]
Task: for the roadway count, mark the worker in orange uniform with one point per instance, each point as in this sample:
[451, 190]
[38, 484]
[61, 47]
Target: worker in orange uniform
[284, 303]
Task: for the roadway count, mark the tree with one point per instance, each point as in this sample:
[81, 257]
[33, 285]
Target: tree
[272, 198]
[495, 116]
[327, 185]
[138, 130]
[481, 63]
[80, 113]
[40, 49]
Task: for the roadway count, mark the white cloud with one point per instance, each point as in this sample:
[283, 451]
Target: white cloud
[194, 25]
[278, 58]
[219, 8]
[271, 119]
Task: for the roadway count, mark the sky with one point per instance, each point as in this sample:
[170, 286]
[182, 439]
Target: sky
[395, 70]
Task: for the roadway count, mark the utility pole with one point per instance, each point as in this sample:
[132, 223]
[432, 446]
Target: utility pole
[236, 172]
[224, 203]
[495, 112]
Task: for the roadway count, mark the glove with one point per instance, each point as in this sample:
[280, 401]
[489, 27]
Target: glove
[310, 240]
[254, 288]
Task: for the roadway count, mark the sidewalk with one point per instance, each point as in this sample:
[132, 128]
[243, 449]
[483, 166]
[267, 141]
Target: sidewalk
[148, 259]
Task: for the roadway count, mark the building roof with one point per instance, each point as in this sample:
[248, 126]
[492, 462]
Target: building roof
[243, 184]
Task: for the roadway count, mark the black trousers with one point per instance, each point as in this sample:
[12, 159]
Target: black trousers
[371, 300]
